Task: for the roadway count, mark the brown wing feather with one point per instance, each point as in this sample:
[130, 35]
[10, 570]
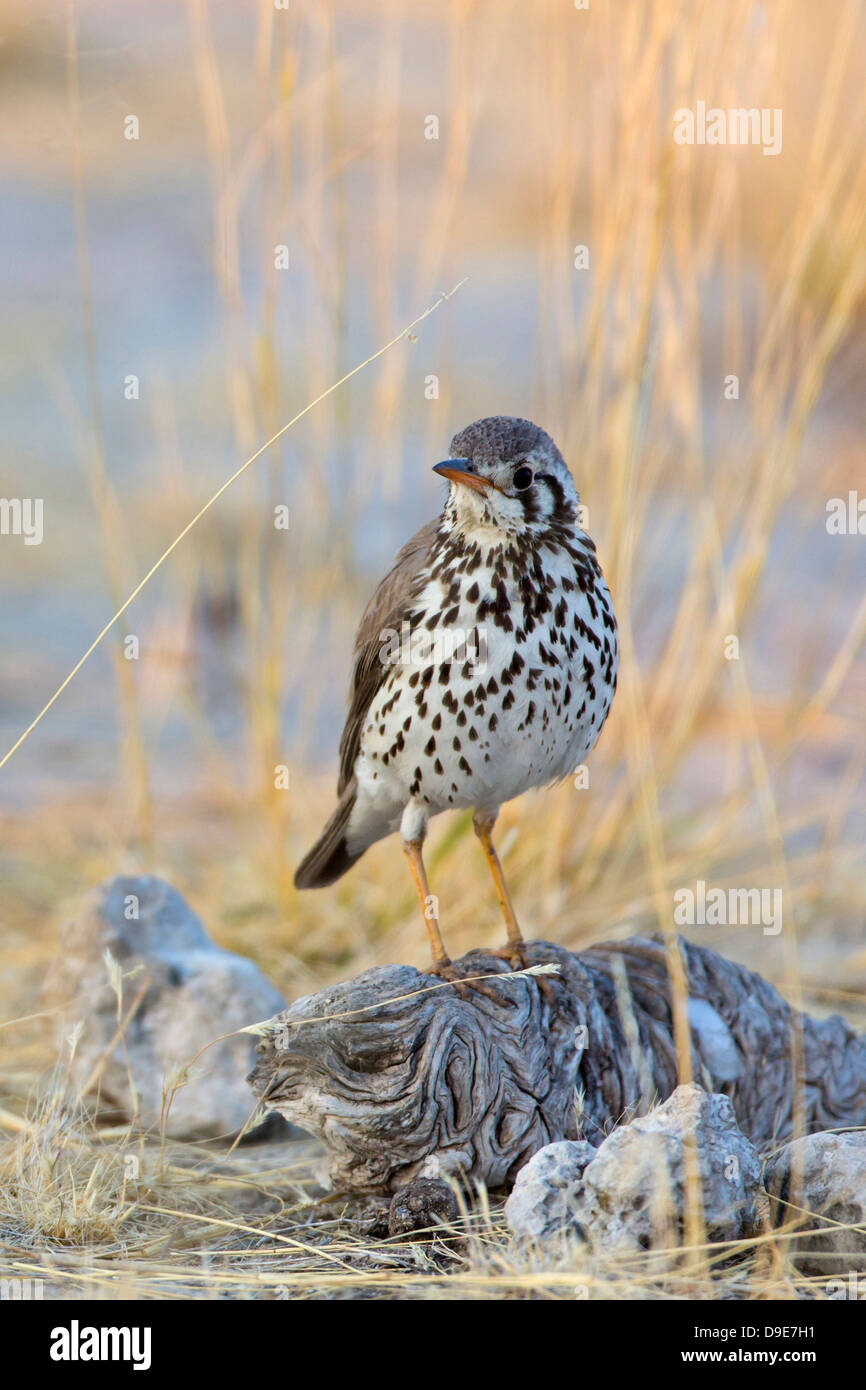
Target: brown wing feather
[389, 605]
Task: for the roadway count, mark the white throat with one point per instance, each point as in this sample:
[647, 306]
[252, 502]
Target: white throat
[483, 517]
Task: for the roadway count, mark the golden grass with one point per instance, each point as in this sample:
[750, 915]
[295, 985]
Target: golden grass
[556, 130]
[100, 1212]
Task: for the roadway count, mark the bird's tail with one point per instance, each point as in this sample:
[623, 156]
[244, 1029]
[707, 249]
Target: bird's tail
[330, 856]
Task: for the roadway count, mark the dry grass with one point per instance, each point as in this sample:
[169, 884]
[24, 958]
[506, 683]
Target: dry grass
[95, 1212]
[555, 130]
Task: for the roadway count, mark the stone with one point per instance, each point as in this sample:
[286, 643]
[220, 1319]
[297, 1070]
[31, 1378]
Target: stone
[826, 1175]
[191, 991]
[630, 1194]
[635, 1190]
[544, 1199]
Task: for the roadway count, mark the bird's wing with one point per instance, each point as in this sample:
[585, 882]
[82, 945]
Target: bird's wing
[390, 604]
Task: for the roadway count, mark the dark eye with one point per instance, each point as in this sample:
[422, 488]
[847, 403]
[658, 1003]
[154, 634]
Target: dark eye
[522, 477]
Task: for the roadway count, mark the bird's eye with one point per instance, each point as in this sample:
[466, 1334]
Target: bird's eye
[522, 478]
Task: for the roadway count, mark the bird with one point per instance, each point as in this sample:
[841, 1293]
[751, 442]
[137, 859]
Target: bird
[485, 664]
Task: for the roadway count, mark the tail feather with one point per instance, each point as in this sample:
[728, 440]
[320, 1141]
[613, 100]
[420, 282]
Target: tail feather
[330, 856]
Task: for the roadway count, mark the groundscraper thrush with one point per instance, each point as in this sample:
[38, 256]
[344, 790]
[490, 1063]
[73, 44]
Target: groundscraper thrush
[485, 663]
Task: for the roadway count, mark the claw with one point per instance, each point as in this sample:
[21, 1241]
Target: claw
[445, 970]
[514, 952]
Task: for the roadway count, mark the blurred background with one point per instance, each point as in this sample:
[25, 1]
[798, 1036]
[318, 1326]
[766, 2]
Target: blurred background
[304, 182]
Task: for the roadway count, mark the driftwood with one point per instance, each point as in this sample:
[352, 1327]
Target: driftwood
[416, 1084]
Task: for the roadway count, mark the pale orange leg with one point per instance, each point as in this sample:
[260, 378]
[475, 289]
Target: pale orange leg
[515, 945]
[412, 851]
[514, 950]
[441, 965]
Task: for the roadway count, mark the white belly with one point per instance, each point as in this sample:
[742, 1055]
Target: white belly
[520, 714]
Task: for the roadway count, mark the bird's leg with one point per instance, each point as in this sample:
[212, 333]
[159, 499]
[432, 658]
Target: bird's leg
[515, 947]
[514, 950]
[429, 908]
[441, 962]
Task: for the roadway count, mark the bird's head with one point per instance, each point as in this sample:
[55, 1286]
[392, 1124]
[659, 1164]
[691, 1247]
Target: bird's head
[506, 474]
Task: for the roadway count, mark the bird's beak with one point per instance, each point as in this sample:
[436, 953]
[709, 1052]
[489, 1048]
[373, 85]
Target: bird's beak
[460, 471]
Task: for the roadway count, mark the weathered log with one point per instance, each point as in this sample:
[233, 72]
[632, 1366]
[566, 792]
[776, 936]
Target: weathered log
[402, 1080]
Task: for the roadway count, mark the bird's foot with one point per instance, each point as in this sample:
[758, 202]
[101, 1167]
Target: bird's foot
[446, 970]
[514, 952]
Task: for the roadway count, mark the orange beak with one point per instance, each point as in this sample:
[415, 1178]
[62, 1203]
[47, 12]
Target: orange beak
[461, 471]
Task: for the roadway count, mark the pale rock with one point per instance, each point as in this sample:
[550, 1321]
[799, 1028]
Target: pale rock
[825, 1174]
[193, 991]
[544, 1198]
[631, 1193]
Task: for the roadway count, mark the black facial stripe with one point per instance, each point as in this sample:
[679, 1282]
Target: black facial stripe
[559, 503]
[529, 502]
[553, 483]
